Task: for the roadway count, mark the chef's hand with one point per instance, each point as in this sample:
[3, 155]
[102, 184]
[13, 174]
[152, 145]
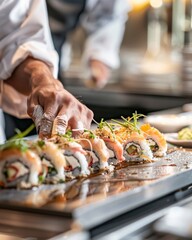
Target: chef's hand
[99, 74]
[52, 108]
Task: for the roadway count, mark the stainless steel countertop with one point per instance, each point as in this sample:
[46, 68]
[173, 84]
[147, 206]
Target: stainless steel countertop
[77, 206]
[106, 195]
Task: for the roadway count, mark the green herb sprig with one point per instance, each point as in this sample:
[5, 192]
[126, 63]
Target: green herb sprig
[41, 143]
[91, 134]
[131, 123]
[68, 136]
[103, 124]
[18, 141]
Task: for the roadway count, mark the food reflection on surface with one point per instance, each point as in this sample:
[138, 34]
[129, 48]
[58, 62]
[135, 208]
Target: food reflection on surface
[81, 192]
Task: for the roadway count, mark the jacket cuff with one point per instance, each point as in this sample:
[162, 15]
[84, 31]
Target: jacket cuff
[34, 49]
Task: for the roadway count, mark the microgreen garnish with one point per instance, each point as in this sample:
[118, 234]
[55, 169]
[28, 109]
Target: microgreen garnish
[17, 141]
[91, 134]
[68, 135]
[105, 124]
[41, 178]
[41, 143]
[131, 123]
[22, 134]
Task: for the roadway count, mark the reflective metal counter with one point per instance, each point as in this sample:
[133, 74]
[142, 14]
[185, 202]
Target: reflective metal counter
[83, 207]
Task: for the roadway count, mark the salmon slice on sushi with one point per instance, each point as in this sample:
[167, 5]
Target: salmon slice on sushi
[155, 139]
[115, 148]
[97, 154]
[75, 156]
[53, 161]
[19, 166]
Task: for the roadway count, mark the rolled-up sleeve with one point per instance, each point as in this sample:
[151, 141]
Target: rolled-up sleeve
[24, 31]
[104, 22]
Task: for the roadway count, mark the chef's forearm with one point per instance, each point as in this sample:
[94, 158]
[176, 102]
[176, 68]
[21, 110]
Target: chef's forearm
[29, 74]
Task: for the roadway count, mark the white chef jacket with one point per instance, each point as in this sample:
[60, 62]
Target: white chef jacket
[24, 32]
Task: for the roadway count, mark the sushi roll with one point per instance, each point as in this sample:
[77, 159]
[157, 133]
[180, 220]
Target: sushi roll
[53, 161]
[136, 148]
[131, 137]
[155, 139]
[115, 148]
[97, 154]
[19, 168]
[75, 156]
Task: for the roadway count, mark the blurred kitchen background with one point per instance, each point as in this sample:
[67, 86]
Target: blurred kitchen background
[156, 62]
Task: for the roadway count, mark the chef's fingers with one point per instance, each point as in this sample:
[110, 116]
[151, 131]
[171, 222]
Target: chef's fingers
[35, 111]
[46, 123]
[31, 105]
[77, 127]
[76, 117]
[37, 116]
[79, 122]
[60, 125]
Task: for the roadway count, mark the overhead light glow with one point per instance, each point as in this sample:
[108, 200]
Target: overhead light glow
[156, 3]
[139, 4]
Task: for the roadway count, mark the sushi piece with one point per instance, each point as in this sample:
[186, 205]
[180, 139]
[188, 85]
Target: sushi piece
[115, 148]
[136, 148]
[97, 153]
[155, 139]
[19, 168]
[131, 137]
[124, 127]
[53, 161]
[75, 156]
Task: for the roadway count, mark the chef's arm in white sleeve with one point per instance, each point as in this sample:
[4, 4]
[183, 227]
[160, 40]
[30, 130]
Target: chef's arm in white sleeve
[28, 68]
[25, 34]
[104, 23]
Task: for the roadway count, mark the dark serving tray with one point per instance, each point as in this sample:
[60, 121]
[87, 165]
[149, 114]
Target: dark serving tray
[94, 200]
